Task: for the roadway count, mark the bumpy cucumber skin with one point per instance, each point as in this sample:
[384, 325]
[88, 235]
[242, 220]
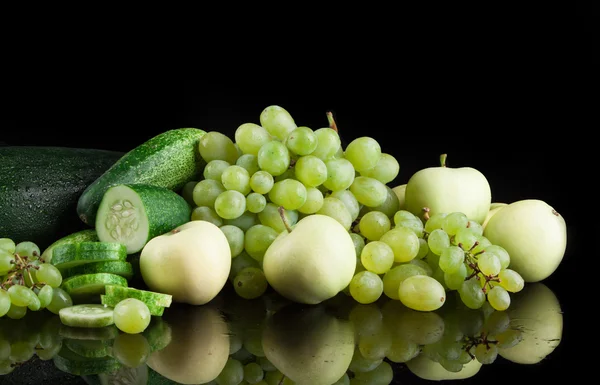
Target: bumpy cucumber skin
[40, 187]
[169, 160]
[87, 235]
[122, 268]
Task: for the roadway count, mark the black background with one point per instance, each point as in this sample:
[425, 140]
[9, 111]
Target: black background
[505, 91]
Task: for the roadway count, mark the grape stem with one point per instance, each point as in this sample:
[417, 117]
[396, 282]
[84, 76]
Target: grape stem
[284, 219]
[472, 263]
[331, 121]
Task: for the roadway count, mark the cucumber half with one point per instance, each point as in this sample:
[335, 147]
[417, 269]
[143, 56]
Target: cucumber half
[132, 214]
[70, 255]
[87, 316]
[86, 285]
[113, 300]
[148, 297]
[122, 268]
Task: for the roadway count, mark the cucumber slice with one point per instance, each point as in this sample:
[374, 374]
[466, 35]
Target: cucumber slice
[70, 362]
[89, 348]
[87, 316]
[87, 235]
[146, 296]
[122, 268]
[113, 300]
[70, 255]
[133, 214]
[91, 284]
[104, 333]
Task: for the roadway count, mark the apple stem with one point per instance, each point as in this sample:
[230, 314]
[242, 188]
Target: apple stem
[331, 121]
[284, 219]
[426, 211]
[443, 160]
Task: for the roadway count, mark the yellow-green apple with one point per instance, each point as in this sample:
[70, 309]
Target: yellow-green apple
[494, 207]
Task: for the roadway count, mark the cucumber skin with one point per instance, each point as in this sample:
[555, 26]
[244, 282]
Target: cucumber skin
[87, 235]
[169, 160]
[40, 187]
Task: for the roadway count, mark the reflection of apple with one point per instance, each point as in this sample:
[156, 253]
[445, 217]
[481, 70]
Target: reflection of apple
[444, 190]
[191, 262]
[536, 312]
[423, 367]
[199, 346]
[494, 207]
[313, 262]
[533, 233]
[308, 345]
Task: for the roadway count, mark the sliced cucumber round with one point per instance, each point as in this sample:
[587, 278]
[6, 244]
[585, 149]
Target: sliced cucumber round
[91, 284]
[122, 268]
[87, 315]
[70, 255]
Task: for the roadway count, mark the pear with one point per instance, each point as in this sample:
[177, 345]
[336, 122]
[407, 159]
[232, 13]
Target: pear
[311, 262]
[427, 369]
[494, 207]
[537, 313]
[444, 189]
[400, 192]
[533, 234]
[199, 346]
[309, 345]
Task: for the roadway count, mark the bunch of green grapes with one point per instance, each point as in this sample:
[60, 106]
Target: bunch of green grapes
[272, 174]
[27, 282]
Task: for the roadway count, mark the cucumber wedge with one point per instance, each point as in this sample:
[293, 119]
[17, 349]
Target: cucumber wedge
[91, 284]
[113, 300]
[132, 214]
[122, 268]
[87, 316]
[87, 235]
[148, 297]
[70, 255]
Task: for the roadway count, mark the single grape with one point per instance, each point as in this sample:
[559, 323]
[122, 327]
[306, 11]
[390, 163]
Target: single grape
[250, 283]
[257, 239]
[253, 373]
[349, 201]
[240, 262]
[278, 122]
[499, 298]
[249, 162]
[48, 274]
[368, 191]
[394, 277]
[208, 214]
[486, 354]
[214, 169]
[511, 281]
[271, 217]
[455, 279]
[301, 141]
[60, 299]
[422, 293]
[435, 222]
[336, 209]
[261, 182]
[366, 287]
[289, 193]
[364, 153]
[236, 178]
[7, 244]
[489, 264]
[438, 241]
[383, 374]
[216, 145]
[27, 249]
[314, 201]
[235, 238]
[131, 316]
[423, 249]
[377, 257]
[390, 206]
[232, 373]
[45, 295]
[250, 137]
[5, 302]
[403, 241]
[274, 157]
[454, 222]
[509, 338]
[328, 143]
[16, 312]
[423, 265]
[500, 253]
[386, 169]
[465, 239]
[255, 202]
[407, 219]
[290, 173]
[131, 350]
[451, 259]
[187, 192]
[482, 244]
[340, 174]
[21, 295]
[230, 204]
[206, 191]
[471, 294]
[310, 170]
[475, 228]
[359, 243]
[373, 225]
[6, 262]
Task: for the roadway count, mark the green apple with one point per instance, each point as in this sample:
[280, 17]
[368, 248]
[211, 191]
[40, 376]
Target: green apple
[191, 262]
[400, 192]
[535, 311]
[308, 344]
[199, 346]
[423, 367]
[533, 234]
[494, 207]
[312, 261]
[444, 189]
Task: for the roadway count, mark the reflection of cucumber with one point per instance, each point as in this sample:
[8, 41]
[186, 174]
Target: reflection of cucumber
[113, 300]
[133, 214]
[70, 255]
[103, 333]
[125, 375]
[122, 268]
[87, 316]
[71, 362]
[89, 348]
[146, 296]
[91, 284]
[87, 235]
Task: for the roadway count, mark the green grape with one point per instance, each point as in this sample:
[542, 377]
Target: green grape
[60, 299]
[271, 217]
[340, 174]
[359, 243]
[452, 366]
[240, 262]
[208, 214]
[253, 342]
[265, 364]
[465, 239]
[471, 294]
[48, 274]
[277, 378]
[16, 312]
[409, 220]
[486, 354]
[374, 346]
[187, 192]
[423, 249]
[314, 201]
[35, 303]
[301, 141]
[310, 170]
[438, 275]
[435, 222]
[248, 162]
[244, 221]
[402, 350]
[290, 173]
[215, 145]
[261, 182]
[235, 238]
[7, 244]
[368, 191]
[131, 316]
[5, 302]
[344, 380]
[257, 239]
[390, 206]
[45, 295]
[278, 122]
[499, 298]
[451, 259]
[232, 373]
[253, 373]
[386, 169]
[373, 225]
[509, 338]
[349, 201]
[489, 264]
[289, 193]
[438, 241]
[403, 241]
[423, 265]
[511, 281]
[454, 222]
[383, 374]
[27, 249]
[377, 257]
[206, 191]
[214, 169]
[455, 279]
[500, 253]
[230, 204]
[336, 209]
[20, 295]
[475, 228]
[255, 202]
[482, 244]
[496, 322]
[274, 157]
[236, 178]
[422, 293]
[328, 143]
[131, 350]
[361, 364]
[250, 283]
[394, 277]
[364, 153]
[250, 137]
[6, 262]
[366, 287]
